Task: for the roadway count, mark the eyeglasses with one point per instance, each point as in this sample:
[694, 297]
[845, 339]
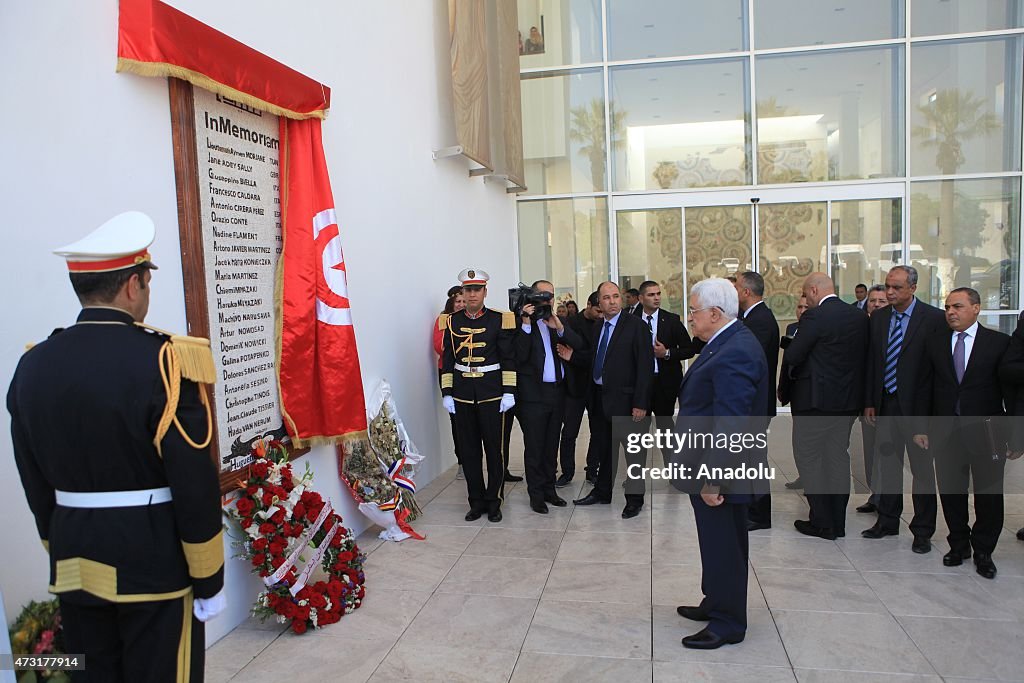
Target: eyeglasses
[691, 311]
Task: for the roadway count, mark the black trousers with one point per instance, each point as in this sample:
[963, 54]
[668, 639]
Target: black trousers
[506, 434]
[606, 442]
[572, 420]
[724, 552]
[956, 463]
[867, 438]
[821, 448]
[455, 432]
[137, 642]
[760, 511]
[894, 437]
[541, 422]
[481, 423]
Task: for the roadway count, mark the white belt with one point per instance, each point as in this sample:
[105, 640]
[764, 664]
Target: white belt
[477, 368]
[113, 499]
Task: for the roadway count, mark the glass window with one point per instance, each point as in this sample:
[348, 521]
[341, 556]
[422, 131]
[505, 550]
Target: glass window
[650, 247]
[565, 241]
[964, 233]
[718, 242]
[680, 125]
[865, 242]
[558, 33]
[939, 17]
[965, 100]
[672, 28]
[832, 115]
[792, 246]
[1001, 323]
[822, 22]
[564, 132]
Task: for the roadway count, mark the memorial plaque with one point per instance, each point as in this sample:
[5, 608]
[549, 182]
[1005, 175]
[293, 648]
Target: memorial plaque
[228, 177]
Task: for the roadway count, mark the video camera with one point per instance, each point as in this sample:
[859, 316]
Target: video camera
[520, 296]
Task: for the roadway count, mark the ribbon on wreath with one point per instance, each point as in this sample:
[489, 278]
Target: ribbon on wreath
[395, 474]
[303, 541]
[400, 518]
[314, 561]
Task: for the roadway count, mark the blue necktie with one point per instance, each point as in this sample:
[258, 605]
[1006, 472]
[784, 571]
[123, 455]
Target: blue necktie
[892, 354]
[602, 348]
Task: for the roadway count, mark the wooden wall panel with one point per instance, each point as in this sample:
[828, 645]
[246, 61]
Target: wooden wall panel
[508, 83]
[468, 31]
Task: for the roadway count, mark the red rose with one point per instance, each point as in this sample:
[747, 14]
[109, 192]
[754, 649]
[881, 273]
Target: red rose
[299, 626]
[346, 556]
[246, 522]
[277, 517]
[251, 489]
[259, 559]
[259, 545]
[313, 513]
[362, 592]
[277, 562]
[296, 530]
[318, 601]
[244, 506]
[337, 541]
[304, 612]
[260, 468]
[299, 511]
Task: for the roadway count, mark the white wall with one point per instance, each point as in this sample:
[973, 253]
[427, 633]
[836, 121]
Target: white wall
[83, 143]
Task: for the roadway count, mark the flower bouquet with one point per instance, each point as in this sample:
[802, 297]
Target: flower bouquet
[38, 631]
[282, 518]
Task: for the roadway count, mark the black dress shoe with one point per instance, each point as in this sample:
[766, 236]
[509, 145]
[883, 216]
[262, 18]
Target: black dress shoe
[795, 484]
[630, 511]
[706, 640]
[955, 558]
[921, 546]
[692, 613]
[1020, 534]
[473, 515]
[879, 532]
[539, 508]
[867, 507]
[555, 499]
[494, 516]
[592, 499]
[563, 481]
[757, 526]
[808, 529]
[984, 566]
[509, 477]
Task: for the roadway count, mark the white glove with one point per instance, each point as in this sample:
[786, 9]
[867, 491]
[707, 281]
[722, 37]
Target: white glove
[208, 608]
[508, 401]
[449, 404]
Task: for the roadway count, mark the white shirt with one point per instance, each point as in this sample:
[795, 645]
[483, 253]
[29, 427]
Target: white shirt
[723, 329]
[824, 298]
[972, 333]
[747, 312]
[653, 318]
[549, 359]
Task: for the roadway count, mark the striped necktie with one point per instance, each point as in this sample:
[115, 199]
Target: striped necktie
[892, 353]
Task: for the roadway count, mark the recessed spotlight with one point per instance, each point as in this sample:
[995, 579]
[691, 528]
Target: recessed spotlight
[802, 68]
[721, 94]
[657, 116]
[859, 85]
[789, 90]
[648, 25]
[840, 9]
[727, 73]
[652, 80]
[655, 99]
[718, 111]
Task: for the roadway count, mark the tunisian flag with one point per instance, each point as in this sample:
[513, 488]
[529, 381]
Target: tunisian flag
[318, 368]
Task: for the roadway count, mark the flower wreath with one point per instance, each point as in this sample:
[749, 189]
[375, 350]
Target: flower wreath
[281, 518]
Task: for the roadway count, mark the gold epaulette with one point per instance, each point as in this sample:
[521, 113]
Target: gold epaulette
[508, 320]
[195, 358]
[28, 347]
[442, 321]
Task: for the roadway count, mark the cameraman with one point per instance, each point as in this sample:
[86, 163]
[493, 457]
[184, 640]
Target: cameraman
[541, 388]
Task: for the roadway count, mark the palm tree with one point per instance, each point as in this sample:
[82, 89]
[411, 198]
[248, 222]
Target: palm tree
[587, 128]
[951, 118]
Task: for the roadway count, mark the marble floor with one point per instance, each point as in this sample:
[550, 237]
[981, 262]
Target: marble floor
[583, 595]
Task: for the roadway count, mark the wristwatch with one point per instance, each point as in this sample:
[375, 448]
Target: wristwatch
[668, 354]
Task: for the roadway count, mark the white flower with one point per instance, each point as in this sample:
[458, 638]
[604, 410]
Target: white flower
[312, 617]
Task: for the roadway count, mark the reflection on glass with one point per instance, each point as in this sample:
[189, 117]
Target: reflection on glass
[718, 242]
[792, 246]
[671, 28]
[965, 106]
[830, 115]
[559, 32]
[939, 17]
[564, 132]
[650, 247]
[686, 125]
[1001, 323]
[565, 241]
[964, 233]
[865, 242]
[824, 22]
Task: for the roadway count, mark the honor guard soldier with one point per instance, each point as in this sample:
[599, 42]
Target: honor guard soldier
[110, 433]
[478, 382]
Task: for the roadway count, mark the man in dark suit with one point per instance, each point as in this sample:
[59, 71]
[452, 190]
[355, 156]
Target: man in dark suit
[895, 353]
[786, 380]
[876, 300]
[632, 301]
[961, 390]
[827, 359]
[861, 294]
[724, 392]
[577, 392]
[760, 320]
[541, 382]
[1012, 376]
[622, 370]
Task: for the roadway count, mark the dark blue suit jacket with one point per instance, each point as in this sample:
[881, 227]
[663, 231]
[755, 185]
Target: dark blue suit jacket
[724, 392]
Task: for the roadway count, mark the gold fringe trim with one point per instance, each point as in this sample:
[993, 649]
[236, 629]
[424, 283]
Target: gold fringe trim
[442, 321]
[508, 320]
[337, 440]
[184, 673]
[158, 69]
[195, 359]
[205, 559]
[171, 374]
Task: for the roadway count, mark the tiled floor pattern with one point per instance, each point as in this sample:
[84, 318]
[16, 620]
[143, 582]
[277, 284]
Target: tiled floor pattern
[583, 595]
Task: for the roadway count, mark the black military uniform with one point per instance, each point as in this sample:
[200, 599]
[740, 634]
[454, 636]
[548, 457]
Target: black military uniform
[108, 437]
[478, 367]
